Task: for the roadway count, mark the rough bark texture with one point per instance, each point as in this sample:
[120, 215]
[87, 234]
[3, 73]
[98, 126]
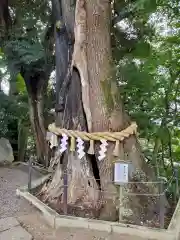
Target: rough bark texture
[82, 186]
[90, 65]
[87, 100]
[5, 19]
[39, 131]
[22, 141]
[36, 87]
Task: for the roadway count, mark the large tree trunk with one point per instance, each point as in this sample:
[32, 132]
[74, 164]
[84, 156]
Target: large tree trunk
[91, 104]
[70, 114]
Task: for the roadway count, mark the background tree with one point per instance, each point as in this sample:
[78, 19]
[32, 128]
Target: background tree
[28, 53]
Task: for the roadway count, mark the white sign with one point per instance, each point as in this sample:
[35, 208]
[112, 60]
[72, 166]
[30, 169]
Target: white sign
[120, 173]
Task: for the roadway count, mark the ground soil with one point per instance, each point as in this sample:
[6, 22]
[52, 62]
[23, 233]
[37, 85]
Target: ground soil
[36, 226]
[10, 180]
[31, 219]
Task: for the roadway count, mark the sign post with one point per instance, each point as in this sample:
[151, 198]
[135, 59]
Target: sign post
[121, 178]
[30, 174]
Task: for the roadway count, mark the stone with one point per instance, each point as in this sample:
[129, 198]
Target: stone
[73, 222]
[15, 233]
[6, 152]
[7, 223]
[99, 225]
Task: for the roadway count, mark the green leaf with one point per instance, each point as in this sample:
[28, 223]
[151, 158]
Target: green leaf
[142, 50]
[20, 84]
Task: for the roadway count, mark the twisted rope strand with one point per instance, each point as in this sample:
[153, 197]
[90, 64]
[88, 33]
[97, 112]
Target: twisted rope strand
[96, 136]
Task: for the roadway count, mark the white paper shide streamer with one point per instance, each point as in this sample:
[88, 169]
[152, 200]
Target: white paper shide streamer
[64, 143]
[103, 149]
[80, 148]
[52, 139]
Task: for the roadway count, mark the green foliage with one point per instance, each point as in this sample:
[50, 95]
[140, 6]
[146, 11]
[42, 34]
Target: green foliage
[149, 73]
[23, 50]
[20, 84]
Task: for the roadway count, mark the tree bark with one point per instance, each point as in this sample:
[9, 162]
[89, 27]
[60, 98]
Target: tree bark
[5, 18]
[36, 87]
[22, 141]
[91, 104]
[39, 131]
[70, 114]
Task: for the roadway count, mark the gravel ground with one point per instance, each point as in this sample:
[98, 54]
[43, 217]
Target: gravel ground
[10, 180]
[31, 219]
[36, 226]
